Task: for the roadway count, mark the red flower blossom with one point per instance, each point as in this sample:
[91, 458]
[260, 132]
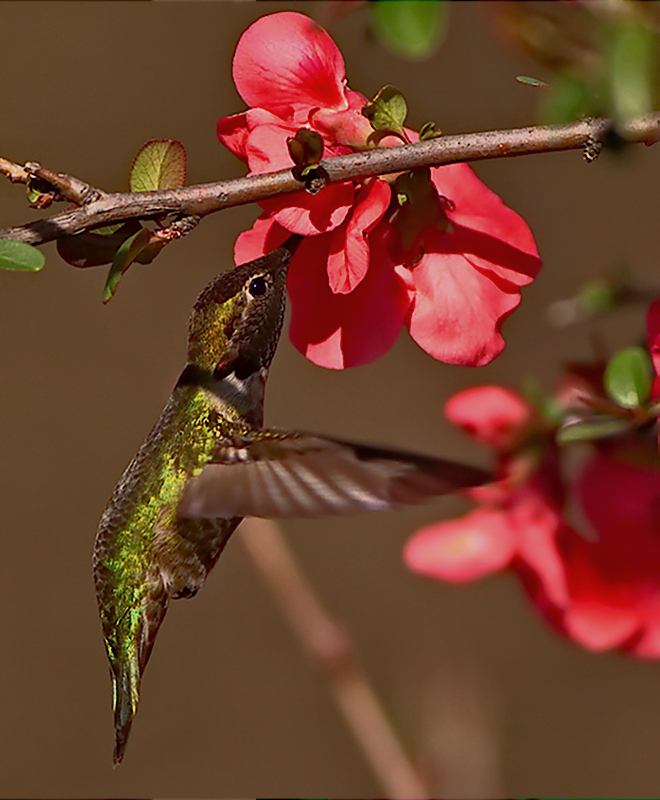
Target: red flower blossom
[353, 285]
[601, 588]
[653, 333]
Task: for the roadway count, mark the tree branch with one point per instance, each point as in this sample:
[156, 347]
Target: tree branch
[102, 208]
[330, 649]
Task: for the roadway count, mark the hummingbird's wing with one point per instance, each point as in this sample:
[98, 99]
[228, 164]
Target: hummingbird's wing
[283, 474]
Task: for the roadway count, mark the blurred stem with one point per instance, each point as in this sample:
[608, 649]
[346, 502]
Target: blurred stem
[331, 650]
[101, 208]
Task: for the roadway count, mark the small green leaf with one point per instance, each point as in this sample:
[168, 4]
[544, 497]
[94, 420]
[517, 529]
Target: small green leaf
[597, 297]
[429, 130]
[547, 406]
[535, 82]
[159, 164]
[411, 28]
[631, 67]
[387, 111]
[628, 378]
[126, 254]
[20, 256]
[39, 195]
[108, 230]
[594, 428]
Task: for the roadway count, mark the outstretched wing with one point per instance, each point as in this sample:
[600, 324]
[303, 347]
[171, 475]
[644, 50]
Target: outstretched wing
[279, 475]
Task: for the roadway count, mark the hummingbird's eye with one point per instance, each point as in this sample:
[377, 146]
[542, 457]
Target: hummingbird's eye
[258, 286]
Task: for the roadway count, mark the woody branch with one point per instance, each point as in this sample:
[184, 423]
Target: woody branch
[96, 207]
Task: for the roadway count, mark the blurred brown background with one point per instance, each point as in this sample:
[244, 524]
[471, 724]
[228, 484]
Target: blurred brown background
[473, 679]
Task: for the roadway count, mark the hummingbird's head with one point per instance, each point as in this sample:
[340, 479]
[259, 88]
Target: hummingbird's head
[237, 319]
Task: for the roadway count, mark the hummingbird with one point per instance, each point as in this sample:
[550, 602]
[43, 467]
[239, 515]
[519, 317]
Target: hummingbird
[208, 462]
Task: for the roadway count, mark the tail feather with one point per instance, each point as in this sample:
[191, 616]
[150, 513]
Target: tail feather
[134, 639]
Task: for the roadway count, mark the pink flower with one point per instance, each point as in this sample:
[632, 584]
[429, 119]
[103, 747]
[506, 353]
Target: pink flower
[353, 284]
[601, 588]
[653, 334]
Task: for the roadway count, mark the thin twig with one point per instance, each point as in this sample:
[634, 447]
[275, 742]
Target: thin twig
[203, 199]
[330, 648]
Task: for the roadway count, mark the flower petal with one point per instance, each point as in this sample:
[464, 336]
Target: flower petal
[499, 239]
[602, 612]
[265, 146]
[287, 57]
[462, 549]
[344, 330]
[653, 333]
[538, 522]
[458, 309]
[233, 133]
[348, 258]
[264, 236]
[492, 414]
[309, 214]
[619, 498]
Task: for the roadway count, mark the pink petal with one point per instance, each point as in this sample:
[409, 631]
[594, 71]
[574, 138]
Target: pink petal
[462, 549]
[308, 214]
[598, 626]
[619, 498]
[499, 239]
[348, 258]
[655, 390]
[653, 333]
[344, 330]
[602, 612]
[233, 133]
[538, 522]
[647, 645]
[492, 414]
[264, 236]
[345, 127]
[264, 147]
[266, 144]
[287, 58]
[458, 309]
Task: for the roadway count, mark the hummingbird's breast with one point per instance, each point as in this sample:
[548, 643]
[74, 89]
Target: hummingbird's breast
[141, 544]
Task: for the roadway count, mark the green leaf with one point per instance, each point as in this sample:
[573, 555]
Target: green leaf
[597, 297]
[126, 254]
[547, 406]
[569, 98]
[159, 164]
[20, 256]
[429, 130]
[37, 195]
[631, 67]
[594, 428]
[411, 28]
[628, 378]
[537, 83]
[108, 230]
[387, 111]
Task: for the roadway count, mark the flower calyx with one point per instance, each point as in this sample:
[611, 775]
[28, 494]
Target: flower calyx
[416, 205]
[306, 150]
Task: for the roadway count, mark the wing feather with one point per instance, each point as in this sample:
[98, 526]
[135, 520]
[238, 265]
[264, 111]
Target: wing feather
[281, 475]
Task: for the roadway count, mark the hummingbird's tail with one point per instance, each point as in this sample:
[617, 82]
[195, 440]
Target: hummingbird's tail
[129, 650]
